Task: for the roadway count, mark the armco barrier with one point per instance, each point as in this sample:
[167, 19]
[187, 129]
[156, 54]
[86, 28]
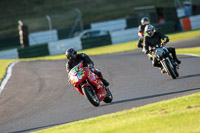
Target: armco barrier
[113, 25]
[186, 24]
[124, 35]
[9, 54]
[190, 23]
[33, 51]
[43, 37]
[96, 41]
[59, 47]
[65, 33]
[195, 22]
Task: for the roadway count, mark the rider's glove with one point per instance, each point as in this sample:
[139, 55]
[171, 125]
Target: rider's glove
[166, 39]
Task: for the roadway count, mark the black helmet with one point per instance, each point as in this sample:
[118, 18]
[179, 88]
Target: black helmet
[145, 20]
[71, 54]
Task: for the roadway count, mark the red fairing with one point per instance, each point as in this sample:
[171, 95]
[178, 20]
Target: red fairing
[80, 77]
[94, 79]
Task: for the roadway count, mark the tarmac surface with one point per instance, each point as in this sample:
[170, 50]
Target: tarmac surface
[38, 95]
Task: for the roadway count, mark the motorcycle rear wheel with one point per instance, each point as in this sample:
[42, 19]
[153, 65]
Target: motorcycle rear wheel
[91, 95]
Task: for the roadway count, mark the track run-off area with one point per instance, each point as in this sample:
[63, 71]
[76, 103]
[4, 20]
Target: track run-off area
[38, 95]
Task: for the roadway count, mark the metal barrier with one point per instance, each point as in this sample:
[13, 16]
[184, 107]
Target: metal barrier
[124, 35]
[113, 25]
[59, 47]
[33, 51]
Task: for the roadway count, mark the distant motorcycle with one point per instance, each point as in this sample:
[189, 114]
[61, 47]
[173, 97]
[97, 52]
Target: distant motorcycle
[89, 85]
[166, 60]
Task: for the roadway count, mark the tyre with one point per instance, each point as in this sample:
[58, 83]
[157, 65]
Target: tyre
[170, 70]
[176, 72]
[109, 97]
[91, 95]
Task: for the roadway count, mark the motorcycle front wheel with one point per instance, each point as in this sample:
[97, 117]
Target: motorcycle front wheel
[170, 70]
[91, 95]
[109, 97]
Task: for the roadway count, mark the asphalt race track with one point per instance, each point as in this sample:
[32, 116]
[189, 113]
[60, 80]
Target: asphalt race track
[38, 95]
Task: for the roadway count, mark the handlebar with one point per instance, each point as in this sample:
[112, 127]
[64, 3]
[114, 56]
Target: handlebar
[157, 46]
[163, 44]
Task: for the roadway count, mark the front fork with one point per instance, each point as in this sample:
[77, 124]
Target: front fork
[163, 65]
[162, 62]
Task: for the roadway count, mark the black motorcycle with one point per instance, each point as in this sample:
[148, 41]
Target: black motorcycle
[167, 61]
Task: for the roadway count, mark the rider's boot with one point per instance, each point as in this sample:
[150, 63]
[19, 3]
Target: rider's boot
[105, 82]
[174, 55]
[139, 44]
[178, 61]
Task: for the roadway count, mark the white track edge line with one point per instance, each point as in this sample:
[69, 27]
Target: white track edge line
[190, 55]
[8, 75]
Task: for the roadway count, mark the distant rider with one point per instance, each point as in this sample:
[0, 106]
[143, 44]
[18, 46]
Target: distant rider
[144, 21]
[74, 59]
[154, 38]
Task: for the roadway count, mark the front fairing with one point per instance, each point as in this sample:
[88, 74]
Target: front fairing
[78, 77]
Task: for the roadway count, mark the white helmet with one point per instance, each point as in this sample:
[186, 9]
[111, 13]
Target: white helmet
[149, 30]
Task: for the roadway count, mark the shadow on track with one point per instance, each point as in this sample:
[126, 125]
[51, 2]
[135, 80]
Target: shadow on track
[189, 76]
[153, 96]
[39, 128]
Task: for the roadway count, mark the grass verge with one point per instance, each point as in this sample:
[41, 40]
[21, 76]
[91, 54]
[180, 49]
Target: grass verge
[179, 115]
[3, 67]
[195, 50]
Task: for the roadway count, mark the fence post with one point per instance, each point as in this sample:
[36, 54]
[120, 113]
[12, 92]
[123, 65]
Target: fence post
[50, 26]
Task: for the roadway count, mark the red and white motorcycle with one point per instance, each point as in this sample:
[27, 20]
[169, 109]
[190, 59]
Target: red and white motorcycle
[89, 85]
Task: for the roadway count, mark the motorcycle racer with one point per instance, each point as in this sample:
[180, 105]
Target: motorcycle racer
[154, 38]
[144, 21]
[74, 59]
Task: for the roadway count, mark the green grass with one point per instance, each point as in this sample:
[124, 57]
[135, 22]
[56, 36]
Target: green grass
[184, 35]
[3, 67]
[179, 115]
[195, 50]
